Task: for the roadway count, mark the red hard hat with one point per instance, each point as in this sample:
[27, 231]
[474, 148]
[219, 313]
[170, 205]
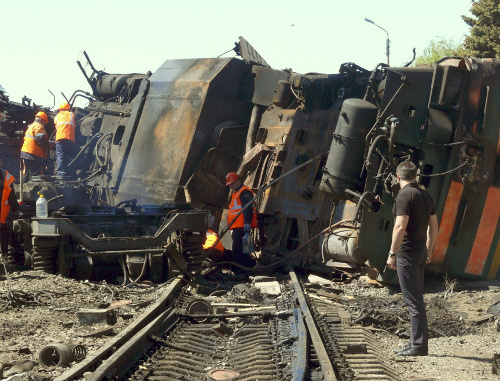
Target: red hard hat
[64, 106]
[231, 177]
[42, 115]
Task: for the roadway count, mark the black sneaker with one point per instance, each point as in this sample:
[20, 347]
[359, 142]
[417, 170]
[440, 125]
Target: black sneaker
[405, 348]
[414, 352]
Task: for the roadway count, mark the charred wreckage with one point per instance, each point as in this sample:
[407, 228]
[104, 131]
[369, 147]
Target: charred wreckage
[320, 151]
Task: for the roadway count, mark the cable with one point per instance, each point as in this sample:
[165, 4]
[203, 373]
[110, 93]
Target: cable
[225, 52]
[99, 134]
[284, 259]
[15, 298]
[447, 172]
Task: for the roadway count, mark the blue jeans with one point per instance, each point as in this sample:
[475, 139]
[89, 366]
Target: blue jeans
[63, 151]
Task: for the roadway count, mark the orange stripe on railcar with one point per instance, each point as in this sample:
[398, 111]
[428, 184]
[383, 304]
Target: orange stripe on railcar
[495, 264]
[447, 222]
[485, 233]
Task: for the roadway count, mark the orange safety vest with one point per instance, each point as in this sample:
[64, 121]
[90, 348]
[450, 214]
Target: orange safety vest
[235, 207]
[5, 207]
[65, 125]
[30, 144]
[209, 243]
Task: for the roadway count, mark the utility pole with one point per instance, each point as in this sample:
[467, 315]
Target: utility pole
[387, 42]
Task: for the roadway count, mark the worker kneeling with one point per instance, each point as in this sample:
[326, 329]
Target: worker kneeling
[242, 223]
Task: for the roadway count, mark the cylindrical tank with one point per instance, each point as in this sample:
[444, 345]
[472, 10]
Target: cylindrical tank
[112, 84]
[345, 159]
[342, 246]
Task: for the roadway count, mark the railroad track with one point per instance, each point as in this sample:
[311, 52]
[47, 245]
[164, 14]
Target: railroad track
[186, 336]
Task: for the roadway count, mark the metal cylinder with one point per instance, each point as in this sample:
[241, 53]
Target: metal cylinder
[61, 354]
[112, 84]
[55, 355]
[342, 245]
[345, 159]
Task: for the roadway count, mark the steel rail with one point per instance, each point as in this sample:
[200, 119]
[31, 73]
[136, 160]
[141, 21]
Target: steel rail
[300, 366]
[119, 363]
[148, 316]
[324, 360]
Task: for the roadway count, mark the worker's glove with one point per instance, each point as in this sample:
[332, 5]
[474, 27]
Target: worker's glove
[247, 228]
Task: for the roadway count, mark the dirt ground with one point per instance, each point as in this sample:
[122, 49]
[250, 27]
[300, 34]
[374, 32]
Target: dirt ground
[38, 309]
[464, 336]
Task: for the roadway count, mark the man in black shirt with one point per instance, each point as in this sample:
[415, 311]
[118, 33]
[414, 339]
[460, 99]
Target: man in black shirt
[413, 238]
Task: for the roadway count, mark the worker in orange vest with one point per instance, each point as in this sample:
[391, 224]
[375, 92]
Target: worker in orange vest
[8, 200]
[218, 250]
[244, 222]
[65, 124]
[34, 149]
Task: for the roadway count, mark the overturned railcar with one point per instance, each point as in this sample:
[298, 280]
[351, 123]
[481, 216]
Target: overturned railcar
[443, 118]
[148, 174]
[152, 152]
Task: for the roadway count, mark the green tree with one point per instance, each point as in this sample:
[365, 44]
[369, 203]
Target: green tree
[438, 49]
[484, 38]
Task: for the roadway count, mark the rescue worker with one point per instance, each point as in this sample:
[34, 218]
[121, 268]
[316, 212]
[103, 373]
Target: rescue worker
[8, 200]
[218, 250]
[34, 149]
[245, 222]
[65, 124]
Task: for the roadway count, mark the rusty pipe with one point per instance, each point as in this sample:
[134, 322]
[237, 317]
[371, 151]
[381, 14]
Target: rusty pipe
[253, 127]
[264, 314]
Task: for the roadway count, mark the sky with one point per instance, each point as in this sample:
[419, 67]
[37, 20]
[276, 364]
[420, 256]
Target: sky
[41, 40]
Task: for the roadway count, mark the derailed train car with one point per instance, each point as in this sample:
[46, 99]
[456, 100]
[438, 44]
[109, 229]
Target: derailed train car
[443, 118]
[154, 149]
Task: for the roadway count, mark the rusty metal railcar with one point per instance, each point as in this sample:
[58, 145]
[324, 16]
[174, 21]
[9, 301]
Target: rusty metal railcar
[151, 145]
[443, 118]
[160, 143]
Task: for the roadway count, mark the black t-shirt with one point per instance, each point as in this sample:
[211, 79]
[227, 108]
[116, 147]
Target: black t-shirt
[417, 204]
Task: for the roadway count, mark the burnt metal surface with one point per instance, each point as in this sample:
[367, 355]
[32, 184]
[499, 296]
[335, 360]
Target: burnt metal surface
[185, 102]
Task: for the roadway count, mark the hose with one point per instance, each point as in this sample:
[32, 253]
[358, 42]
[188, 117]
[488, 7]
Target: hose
[99, 134]
[284, 259]
[15, 298]
[372, 148]
[364, 196]
[447, 172]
